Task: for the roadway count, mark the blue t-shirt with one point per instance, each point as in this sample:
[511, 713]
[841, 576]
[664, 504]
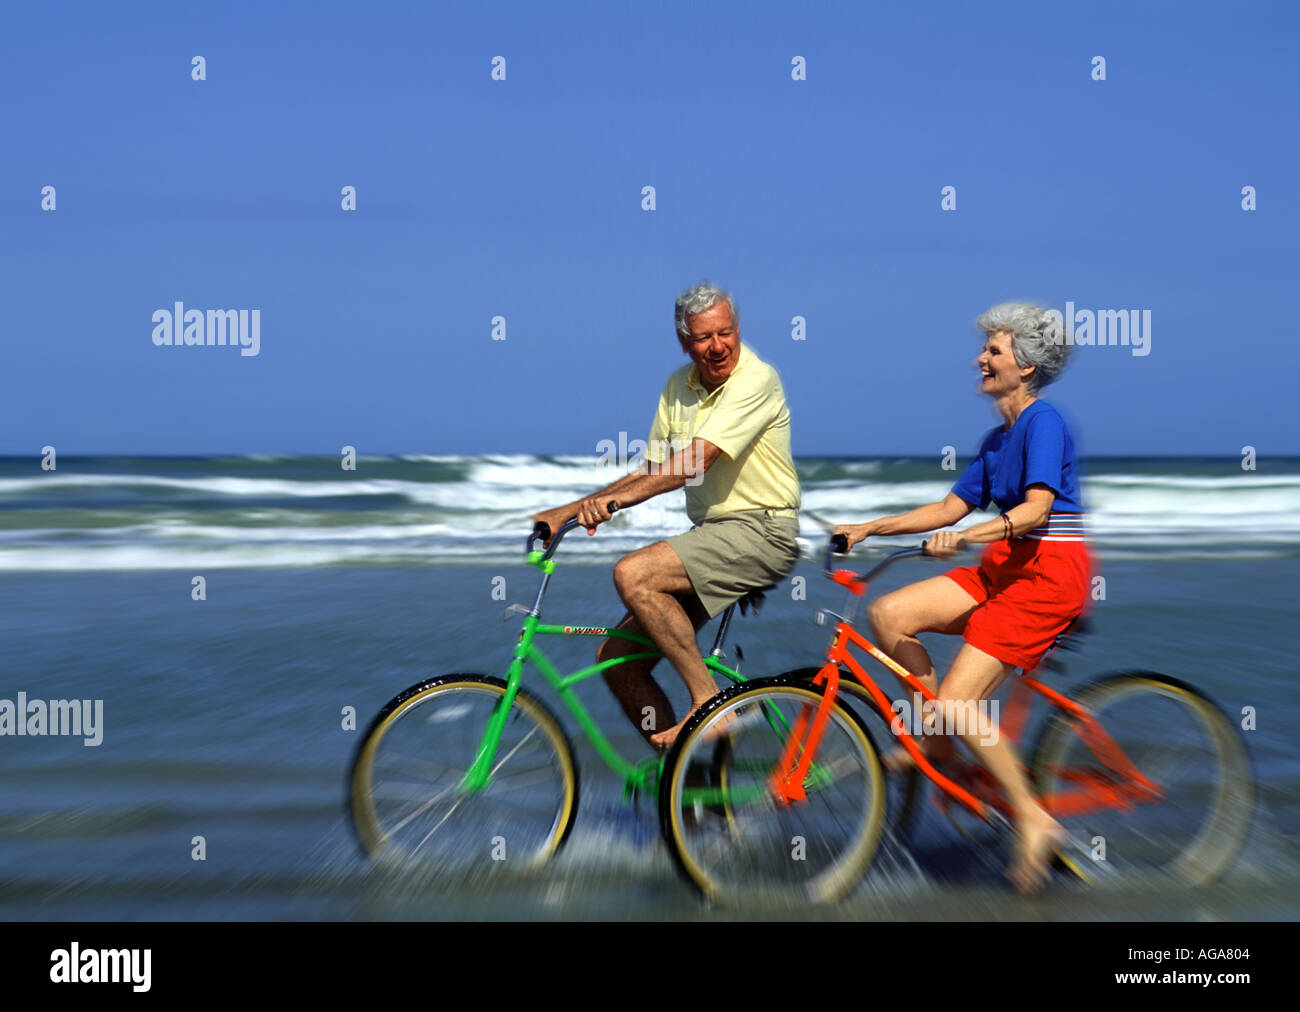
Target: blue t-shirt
[1036, 450]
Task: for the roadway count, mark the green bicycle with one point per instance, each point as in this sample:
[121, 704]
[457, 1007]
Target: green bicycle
[462, 771]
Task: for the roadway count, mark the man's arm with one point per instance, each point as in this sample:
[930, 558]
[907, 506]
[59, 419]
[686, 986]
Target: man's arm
[637, 486]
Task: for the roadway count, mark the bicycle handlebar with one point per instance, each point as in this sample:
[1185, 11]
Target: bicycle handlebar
[839, 545]
[543, 530]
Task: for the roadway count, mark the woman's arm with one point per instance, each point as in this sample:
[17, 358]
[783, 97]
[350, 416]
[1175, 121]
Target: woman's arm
[924, 518]
[1031, 513]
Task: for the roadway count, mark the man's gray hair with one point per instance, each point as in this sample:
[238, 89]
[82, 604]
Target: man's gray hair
[1036, 338]
[697, 300]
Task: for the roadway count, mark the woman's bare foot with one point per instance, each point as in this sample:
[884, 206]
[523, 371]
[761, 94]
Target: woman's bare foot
[899, 760]
[1037, 837]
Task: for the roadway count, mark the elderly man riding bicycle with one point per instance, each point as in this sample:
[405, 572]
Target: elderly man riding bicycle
[722, 431]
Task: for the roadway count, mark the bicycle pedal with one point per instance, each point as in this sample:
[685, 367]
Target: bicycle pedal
[1070, 858]
[961, 830]
[1067, 865]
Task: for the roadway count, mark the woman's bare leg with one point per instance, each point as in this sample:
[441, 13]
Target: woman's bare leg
[934, 605]
[973, 677]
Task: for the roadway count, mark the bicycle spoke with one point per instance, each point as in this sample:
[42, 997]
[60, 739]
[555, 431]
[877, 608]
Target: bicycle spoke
[413, 796]
[1189, 827]
[778, 851]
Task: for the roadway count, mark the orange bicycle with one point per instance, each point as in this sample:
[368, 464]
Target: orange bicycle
[1146, 773]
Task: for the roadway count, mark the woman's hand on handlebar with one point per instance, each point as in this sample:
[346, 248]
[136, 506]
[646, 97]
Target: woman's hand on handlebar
[854, 532]
[945, 544]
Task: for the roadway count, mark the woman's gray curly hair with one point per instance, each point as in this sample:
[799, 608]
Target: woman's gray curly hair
[1037, 338]
[697, 300]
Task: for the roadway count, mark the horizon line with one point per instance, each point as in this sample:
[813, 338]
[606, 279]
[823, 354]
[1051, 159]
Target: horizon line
[5, 457]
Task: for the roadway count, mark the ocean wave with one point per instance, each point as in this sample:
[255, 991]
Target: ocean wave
[1254, 480]
[418, 509]
[469, 548]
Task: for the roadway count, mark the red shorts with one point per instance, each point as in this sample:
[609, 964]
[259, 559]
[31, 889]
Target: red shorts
[1028, 591]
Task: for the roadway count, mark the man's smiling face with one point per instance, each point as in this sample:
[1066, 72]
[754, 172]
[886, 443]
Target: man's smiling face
[713, 344]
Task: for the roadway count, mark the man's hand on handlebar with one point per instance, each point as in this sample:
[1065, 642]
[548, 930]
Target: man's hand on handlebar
[592, 512]
[589, 513]
[853, 532]
[554, 519]
[945, 544]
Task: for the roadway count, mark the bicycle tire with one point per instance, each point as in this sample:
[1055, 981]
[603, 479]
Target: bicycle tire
[399, 792]
[1146, 844]
[766, 862]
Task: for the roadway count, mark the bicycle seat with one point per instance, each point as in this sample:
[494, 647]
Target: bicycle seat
[754, 599]
[1069, 638]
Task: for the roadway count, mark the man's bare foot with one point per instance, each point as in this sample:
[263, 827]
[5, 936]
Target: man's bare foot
[1037, 837]
[665, 739]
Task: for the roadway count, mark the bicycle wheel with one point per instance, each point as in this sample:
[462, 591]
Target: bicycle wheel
[1191, 826]
[407, 795]
[732, 839]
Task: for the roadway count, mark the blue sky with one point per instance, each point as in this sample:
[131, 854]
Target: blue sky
[522, 198]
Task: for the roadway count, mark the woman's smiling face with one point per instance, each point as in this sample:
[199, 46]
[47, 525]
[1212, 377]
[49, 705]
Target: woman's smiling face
[999, 373]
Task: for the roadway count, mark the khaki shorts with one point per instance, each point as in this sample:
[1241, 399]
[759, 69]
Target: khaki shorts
[728, 557]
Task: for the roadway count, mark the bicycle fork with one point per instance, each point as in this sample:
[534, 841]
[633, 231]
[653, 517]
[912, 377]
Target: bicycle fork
[787, 780]
[479, 774]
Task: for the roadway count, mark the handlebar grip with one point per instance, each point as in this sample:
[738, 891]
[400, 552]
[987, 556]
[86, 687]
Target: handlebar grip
[840, 544]
[542, 530]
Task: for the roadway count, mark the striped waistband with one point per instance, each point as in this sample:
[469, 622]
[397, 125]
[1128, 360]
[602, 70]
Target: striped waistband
[1059, 527]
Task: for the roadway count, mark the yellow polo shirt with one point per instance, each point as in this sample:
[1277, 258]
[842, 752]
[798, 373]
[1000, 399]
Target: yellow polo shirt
[746, 418]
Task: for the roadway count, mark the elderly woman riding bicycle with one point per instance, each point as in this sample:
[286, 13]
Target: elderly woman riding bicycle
[1032, 580]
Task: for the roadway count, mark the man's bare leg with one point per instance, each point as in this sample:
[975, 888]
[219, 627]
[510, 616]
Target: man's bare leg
[974, 676]
[934, 605]
[649, 581]
[643, 701]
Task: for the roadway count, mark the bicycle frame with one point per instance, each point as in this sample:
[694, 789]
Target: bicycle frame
[636, 776]
[1097, 790]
